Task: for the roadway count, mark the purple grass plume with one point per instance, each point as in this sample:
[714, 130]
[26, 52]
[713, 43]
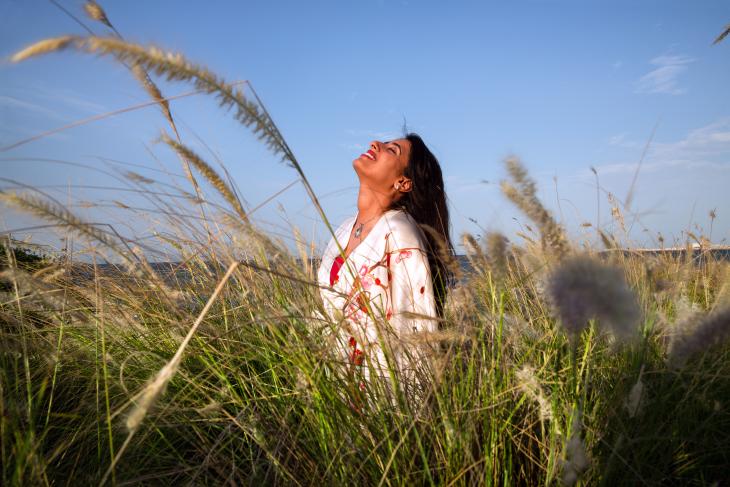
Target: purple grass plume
[711, 330]
[582, 288]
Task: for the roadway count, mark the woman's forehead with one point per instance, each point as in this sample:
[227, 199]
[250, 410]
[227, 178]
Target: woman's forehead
[404, 144]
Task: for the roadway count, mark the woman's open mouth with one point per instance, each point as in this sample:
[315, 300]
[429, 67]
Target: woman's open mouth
[369, 154]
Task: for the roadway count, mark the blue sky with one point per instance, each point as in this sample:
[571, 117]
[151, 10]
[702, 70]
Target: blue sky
[565, 85]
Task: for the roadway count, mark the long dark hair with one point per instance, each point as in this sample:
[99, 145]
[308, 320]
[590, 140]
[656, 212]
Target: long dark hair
[426, 203]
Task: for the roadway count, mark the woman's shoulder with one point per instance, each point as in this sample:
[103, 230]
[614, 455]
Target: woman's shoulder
[404, 230]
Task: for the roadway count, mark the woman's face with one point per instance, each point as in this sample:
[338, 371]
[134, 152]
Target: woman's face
[381, 166]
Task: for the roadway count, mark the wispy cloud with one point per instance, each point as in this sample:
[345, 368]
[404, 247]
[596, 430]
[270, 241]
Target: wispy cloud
[12, 103]
[61, 98]
[663, 79]
[621, 140]
[704, 147]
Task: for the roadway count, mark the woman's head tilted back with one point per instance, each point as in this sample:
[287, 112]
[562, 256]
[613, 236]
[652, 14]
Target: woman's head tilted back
[406, 175]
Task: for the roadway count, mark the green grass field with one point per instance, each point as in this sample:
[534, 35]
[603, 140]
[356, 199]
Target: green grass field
[554, 364]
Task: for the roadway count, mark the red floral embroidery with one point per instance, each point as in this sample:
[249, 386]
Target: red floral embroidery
[356, 356]
[362, 302]
[403, 255]
[335, 270]
[388, 314]
[423, 289]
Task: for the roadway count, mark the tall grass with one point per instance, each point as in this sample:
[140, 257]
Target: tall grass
[551, 365]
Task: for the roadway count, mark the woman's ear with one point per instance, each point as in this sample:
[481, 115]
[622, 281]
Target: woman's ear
[405, 185]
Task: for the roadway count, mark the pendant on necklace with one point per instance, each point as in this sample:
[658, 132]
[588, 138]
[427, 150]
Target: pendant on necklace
[358, 230]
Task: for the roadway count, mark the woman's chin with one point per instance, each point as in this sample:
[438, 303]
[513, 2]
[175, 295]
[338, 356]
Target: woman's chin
[357, 164]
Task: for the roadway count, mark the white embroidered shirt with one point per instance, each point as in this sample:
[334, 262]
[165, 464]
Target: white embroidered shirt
[382, 291]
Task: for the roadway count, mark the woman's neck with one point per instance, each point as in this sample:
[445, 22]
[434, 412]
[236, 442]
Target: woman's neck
[370, 204]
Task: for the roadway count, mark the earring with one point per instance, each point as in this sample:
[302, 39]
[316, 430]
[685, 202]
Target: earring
[397, 186]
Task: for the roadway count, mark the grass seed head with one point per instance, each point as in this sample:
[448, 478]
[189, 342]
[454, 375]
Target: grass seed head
[43, 47]
[576, 458]
[583, 288]
[530, 386]
[95, 12]
[711, 330]
[522, 191]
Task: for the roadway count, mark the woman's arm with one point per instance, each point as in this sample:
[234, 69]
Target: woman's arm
[411, 288]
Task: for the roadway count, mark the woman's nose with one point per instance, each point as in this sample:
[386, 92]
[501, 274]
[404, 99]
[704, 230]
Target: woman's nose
[375, 145]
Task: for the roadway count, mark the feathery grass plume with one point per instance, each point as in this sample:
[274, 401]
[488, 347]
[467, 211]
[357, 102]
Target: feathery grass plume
[53, 297]
[175, 67]
[138, 178]
[609, 242]
[524, 196]
[43, 47]
[635, 400]
[575, 460]
[151, 392]
[722, 35]
[55, 213]
[472, 247]
[616, 212]
[95, 12]
[530, 386]
[713, 329]
[151, 88]
[208, 173]
[496, 244]
[581, 288]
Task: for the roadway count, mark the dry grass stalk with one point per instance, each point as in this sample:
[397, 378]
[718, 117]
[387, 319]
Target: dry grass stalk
[175, 67]
[208, 173]
[55, 213]
[722, 35]
[162, 378]
[524, 195]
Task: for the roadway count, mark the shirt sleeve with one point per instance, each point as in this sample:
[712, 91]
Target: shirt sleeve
[411, 288]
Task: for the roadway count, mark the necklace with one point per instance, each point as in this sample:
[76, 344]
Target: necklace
[359, 228]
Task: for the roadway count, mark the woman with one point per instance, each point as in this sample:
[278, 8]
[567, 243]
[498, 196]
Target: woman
[386, 268]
